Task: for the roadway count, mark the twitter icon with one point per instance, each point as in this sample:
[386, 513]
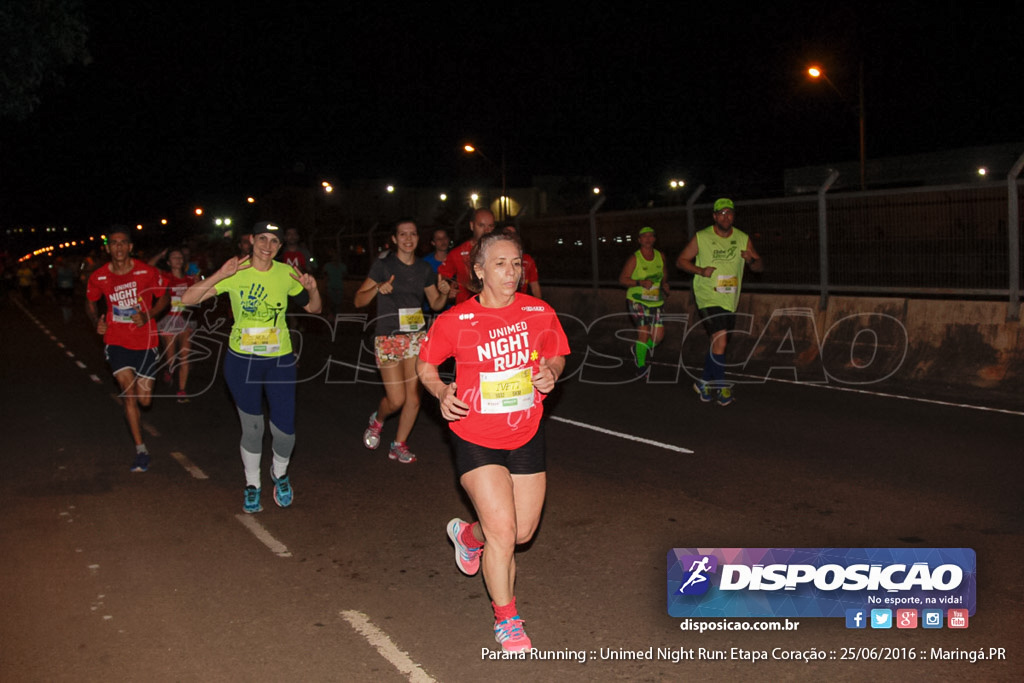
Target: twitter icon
[881, 618]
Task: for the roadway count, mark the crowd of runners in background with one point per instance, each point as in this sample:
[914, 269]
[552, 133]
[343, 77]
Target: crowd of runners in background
[478, 304]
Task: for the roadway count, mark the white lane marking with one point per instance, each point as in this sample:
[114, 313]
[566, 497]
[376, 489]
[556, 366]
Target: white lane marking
[189, 466]
[386, 647]
[96, 379]
[630, 437]
[80, 364]
[882, 394]
[263, 536]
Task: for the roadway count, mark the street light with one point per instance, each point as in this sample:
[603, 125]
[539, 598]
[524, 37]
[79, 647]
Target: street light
[470, 149]
[817, 72]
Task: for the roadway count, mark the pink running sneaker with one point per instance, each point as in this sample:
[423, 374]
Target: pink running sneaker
[371, 437]
[511, 635]
[466, 559]
[401, 453]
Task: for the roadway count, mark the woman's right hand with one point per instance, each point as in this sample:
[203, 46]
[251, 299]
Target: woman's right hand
[232, 266]
[452, 408]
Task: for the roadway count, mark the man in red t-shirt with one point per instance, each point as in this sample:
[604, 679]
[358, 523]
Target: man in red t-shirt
[294, 254]
[455, 268]
[135, 295]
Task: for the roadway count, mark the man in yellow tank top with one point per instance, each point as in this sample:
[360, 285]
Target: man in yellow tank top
[646, 281]
[716, 257]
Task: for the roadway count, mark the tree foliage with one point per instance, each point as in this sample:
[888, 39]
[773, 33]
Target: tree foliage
[38, 40]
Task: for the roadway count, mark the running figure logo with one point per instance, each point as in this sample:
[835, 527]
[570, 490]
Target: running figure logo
[696, 582]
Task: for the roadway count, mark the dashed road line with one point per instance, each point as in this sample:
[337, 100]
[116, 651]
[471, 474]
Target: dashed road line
[386, 647]
[188, 465]
[263, 536]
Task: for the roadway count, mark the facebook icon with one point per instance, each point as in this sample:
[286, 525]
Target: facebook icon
[856, 618]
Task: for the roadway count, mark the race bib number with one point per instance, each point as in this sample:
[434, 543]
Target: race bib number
[652, 294]
[410, 319]
[727, 284]
[260, 340]
[120, 314]
[506, 392]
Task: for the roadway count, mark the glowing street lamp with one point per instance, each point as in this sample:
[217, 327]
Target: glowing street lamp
[470, 149]
[816, 72]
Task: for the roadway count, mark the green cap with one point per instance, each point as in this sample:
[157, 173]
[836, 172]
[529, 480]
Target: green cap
[645, 230]
[723, 203]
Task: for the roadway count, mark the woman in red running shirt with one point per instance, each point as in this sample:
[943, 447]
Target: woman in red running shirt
[509, 351]
[176, 327]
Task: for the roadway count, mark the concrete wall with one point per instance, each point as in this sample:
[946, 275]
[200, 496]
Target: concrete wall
[857, 341]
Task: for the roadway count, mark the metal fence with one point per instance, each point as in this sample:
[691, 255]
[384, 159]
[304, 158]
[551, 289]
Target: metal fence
[949, 241]
[955, 241]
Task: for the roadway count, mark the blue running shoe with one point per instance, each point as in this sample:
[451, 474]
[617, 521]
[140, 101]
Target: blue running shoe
[282, 491]
[702, 389]
[725, 396]
[141, 462]
[251, 502]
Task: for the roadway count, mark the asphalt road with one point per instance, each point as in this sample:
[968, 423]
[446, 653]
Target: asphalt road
[109, 575]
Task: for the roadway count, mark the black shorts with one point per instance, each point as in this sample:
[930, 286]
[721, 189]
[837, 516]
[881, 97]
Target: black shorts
[142, 362]
[530, 458]
[717, 319]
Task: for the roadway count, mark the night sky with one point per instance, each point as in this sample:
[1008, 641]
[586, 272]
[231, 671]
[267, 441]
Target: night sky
[187, 102]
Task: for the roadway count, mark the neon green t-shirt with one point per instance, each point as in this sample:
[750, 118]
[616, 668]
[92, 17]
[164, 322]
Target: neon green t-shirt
[653, 270]
[722, 289]
[259, 302]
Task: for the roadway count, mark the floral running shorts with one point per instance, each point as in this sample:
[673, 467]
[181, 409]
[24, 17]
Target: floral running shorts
[397, 347]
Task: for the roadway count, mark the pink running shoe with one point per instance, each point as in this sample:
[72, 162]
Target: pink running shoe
[371, 437]
[511, 635]
[467, 559]
[401, 453]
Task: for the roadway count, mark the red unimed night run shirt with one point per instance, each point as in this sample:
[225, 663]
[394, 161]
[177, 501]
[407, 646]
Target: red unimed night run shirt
[298, 258]
[127, 295]
[456, 267]
[497, 351]
[529, 273]
[176, 287]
